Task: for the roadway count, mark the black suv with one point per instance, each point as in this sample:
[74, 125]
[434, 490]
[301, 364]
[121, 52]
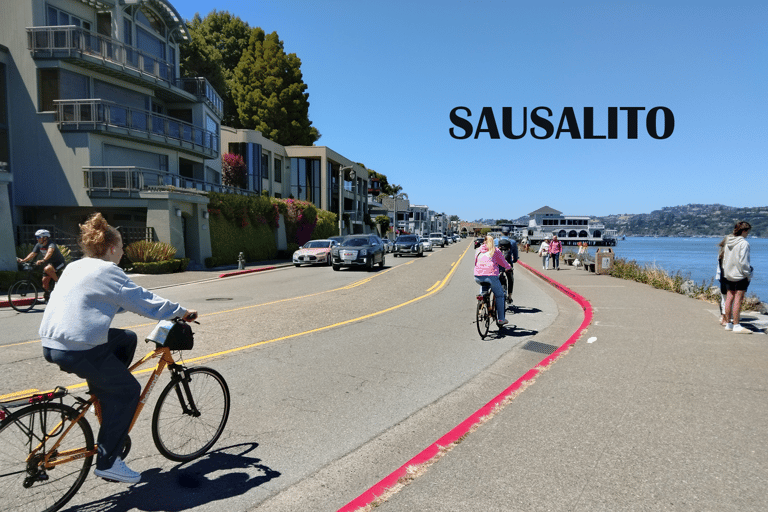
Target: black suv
[408, 244]
[358, 251]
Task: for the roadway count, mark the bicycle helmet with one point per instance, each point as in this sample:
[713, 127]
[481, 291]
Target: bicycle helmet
[42, 233]
[504, 243]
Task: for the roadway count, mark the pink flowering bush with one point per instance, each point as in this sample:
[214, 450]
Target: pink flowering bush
[234, 173]
[300, 219]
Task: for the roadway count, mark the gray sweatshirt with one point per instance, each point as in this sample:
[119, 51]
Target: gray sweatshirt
[88, 295]
[736, 265]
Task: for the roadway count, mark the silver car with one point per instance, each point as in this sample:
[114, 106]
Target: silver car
[437, 239]
[426, 244]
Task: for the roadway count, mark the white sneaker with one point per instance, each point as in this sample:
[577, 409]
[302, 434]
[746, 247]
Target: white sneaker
[119, 472]
[739, 329]
[729, 326]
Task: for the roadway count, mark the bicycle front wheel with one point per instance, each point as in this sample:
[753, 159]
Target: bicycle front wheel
[23, 295]
[483, 318]
[25, 484]
[190, 415]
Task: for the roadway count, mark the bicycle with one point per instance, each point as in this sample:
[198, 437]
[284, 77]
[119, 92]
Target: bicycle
[47, 447]
[486, 309]
[24, 294]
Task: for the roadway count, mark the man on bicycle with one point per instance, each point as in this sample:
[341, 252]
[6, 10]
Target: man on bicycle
[509, 250]
[52, 258]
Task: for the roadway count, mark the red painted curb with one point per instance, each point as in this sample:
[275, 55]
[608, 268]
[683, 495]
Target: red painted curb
[241, 272]
[7, 303]
[462, 428]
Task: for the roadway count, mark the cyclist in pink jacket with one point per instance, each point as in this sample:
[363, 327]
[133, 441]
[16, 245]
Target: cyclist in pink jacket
[488, 259]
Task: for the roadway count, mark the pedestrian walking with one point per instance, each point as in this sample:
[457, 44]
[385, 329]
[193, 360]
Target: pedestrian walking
[544, 253]
[555, 248]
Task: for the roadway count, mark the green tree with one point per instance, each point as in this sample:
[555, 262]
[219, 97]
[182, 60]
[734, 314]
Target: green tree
[216, 46]
[269, 92]
[383, 222]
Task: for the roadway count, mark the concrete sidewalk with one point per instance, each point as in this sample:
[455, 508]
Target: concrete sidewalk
[656, 407]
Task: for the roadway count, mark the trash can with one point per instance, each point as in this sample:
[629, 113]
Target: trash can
[604, 261]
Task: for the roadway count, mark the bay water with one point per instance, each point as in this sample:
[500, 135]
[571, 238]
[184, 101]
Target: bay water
[693, 258]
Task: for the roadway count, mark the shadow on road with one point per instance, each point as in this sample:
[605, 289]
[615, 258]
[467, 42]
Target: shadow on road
[219, 475]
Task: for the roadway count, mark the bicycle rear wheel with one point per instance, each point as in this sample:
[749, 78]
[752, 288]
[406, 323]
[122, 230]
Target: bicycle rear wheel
[23, 295]
[483, 318]
[25, 485]
[190, 415]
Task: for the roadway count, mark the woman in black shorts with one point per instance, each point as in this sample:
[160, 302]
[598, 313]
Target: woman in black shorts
[738, 272]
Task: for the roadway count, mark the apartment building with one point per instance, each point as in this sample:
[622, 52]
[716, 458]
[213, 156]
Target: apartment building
[97, 118]
[316, 174]
[94, 116]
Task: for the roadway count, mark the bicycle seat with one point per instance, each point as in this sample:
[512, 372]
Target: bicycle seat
[486, 288]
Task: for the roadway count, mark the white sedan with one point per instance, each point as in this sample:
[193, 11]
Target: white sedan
[426, 244]
[314, 252]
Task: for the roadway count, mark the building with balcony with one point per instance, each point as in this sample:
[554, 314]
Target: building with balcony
[316, 174]
[94, 117]
[570, 229]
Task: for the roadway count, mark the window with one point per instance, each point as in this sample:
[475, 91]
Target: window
[150, 20]
[59, 84]
[4, 150]
[212, 137]
[278, 175]
[265, 165]
[57, 17]
[305, 180]
[278, 169]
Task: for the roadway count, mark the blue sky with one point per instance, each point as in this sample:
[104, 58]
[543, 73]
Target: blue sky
[383, 78]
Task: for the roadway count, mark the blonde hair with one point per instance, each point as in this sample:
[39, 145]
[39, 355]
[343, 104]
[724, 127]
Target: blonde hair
[97, 236]
[491, 246]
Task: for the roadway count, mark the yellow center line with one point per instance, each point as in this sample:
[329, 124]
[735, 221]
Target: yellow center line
[434, 289]
[440, 284]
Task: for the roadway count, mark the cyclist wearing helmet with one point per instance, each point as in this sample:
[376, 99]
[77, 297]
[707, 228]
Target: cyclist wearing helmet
[52, 258]
[509, 249]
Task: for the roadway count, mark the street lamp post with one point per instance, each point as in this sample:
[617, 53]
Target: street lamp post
[395, 197]
[341, 193]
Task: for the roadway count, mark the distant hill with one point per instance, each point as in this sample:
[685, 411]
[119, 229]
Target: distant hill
[689, 220]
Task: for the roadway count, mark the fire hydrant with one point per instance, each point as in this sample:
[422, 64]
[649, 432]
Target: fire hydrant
[241, 261]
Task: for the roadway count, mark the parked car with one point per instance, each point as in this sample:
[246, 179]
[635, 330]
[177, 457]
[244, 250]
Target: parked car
[437, 239]
[314, 252]
[408, 244]
[426, 244]
[338, 239]
[359, 251]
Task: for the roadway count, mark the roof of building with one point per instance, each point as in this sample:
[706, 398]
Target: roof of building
[544, 210]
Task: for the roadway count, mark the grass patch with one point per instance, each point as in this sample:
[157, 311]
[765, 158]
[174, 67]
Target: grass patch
[659, 278]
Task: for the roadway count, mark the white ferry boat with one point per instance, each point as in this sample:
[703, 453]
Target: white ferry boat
[569, 229]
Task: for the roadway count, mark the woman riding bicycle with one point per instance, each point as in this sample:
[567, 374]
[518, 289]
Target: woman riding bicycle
[52, 258]
[487, 262]
[76, 335]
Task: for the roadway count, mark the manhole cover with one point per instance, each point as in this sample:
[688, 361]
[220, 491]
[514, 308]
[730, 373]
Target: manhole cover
[220, 298]
[541, 348]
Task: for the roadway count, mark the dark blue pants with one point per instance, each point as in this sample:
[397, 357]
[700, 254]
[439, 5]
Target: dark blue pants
[105, 368]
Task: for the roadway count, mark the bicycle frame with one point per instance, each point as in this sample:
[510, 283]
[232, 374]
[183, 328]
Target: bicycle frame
[490, 300]
[165, 359]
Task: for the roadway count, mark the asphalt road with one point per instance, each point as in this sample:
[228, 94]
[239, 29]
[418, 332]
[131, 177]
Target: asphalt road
[337, 378]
